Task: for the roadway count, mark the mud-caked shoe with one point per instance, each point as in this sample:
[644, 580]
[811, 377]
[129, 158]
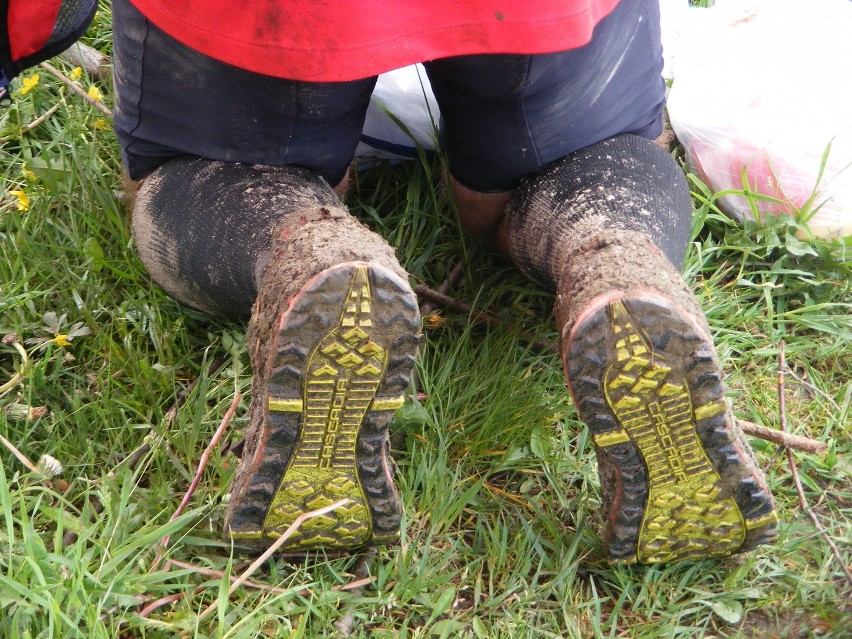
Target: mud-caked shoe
[678, 479]
[332, 367]
[332, 339]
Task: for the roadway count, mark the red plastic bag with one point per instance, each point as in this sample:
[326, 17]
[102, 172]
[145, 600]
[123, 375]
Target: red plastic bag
[761, 102]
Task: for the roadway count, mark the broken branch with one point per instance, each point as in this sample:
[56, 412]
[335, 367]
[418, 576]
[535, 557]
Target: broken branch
[205, 457]
[21, 457]
[797, 442]
[452, 279]
[202, 464]
[76, 88]
[782, 409]
[40, 119]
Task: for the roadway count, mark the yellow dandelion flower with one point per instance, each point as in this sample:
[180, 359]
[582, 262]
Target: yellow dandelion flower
[29, 83]
[62, 340]
[76, 73]
[101, 124]
[27, 173]
[23, 199]
[95, 93]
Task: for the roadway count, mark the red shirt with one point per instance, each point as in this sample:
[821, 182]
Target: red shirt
[322, 40]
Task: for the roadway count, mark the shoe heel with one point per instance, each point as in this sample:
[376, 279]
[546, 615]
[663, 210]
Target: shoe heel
[342, 355]
[675, 484]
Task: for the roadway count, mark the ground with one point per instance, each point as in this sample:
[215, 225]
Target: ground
[498, 476]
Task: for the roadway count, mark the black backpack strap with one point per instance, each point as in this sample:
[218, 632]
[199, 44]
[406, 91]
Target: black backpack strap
[5, 53]
[72, 20]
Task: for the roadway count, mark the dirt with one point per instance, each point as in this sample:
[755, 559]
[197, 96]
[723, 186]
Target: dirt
[596, 263]
[625, 183]
[204, 228]
[159, 252]
[769, 623]
[303, 245]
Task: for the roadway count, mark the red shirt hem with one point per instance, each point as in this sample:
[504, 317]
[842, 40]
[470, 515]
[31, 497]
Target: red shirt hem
[315, 42]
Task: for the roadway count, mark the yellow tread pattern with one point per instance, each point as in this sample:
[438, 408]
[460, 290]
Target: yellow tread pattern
[342, 376]
[685, 515]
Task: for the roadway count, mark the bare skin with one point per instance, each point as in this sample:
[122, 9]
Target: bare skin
[482, 213]
[342, 187]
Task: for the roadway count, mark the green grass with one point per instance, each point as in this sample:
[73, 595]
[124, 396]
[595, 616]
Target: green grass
[498, 477]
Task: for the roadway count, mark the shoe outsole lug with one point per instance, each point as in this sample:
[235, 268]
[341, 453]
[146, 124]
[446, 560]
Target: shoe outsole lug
[346, 343]
[677, 481]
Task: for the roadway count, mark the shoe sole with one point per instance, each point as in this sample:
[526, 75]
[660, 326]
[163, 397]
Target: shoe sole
[678, 482]
[342, 355]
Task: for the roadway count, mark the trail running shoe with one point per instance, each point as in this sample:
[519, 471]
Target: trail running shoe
[332, 370]
[678, 479]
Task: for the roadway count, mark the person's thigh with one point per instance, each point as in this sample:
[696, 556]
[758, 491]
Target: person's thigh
[506, 116]
[172, 101]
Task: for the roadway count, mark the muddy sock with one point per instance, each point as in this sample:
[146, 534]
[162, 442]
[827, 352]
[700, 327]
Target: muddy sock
[623, 183]
[204, 228]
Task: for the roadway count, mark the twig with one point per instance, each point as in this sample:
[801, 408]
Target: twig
[76, 88]
[539, 345]
[159, 603]
[21, 457]
[452, 279]
[202, 464]
[275, 546]
[788, 440]
[210, 572]
[40, 119]
[5, 388]
[356, 584]
[782, 408]
[205, 456]
[455, 276]
[771, 463]
[291, 530]
[442, 299]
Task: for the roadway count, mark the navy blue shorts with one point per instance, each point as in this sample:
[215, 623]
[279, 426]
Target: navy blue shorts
[502, 116]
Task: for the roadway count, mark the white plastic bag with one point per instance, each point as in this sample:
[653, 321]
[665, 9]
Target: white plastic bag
[407, 94]
[760, 90]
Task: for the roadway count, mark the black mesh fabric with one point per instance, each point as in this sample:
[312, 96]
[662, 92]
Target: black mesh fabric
[73, 18]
